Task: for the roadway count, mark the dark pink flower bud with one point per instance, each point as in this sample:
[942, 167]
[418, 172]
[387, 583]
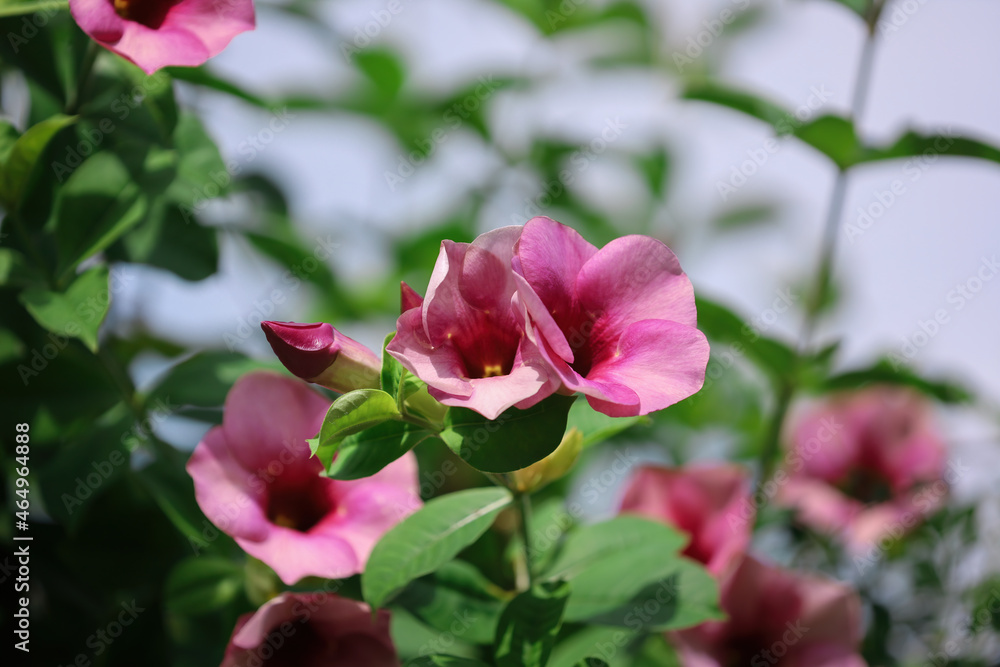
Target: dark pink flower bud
[320, 354]
[408, 298]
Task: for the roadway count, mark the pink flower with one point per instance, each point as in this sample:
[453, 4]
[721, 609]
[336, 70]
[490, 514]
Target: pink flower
[617, 324]
[160, 33]
[777, 618]
[311, 630]
[466, 339]
[707, 503]
[866, 465]
[320, 354]
[255, 479]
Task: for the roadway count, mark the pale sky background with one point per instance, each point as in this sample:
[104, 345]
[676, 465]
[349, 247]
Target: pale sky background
[939, 70]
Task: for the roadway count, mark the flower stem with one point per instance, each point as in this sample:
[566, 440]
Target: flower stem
[824, 273]
[75, 98]
[19, 8]
[524, 505]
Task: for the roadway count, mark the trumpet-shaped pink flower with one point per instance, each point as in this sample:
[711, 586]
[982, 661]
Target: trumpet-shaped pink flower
[865, 465]
[616, 324]
[311, 630]
[466, 339]
[778, 618]
[320, 354]
[707, 503]
[161, 33]
[255, 479]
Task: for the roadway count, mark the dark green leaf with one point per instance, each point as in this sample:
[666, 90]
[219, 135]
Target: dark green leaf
[890, 371]
[392, 370]
[530, 624]
[203, 379]
[834, 137]
[364, 454]
[601, 643]
[18, 168]
[747, 103]
[514, 440]
[428, 539]
[591, 544]
[927, 147]
[202, 585]
[171, 241]
[456, 592]
[722, 325]
[201, 172]
[352, 413]
[77, 312]
[16, 270]
[444, 661]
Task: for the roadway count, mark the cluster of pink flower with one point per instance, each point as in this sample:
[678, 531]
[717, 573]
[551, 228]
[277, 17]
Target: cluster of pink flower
[857, 465]
[515, 316]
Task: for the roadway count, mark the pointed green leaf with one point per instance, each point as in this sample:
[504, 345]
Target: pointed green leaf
[588, 545]
[927, 147]
[364, 454]
[352, 413]
[530, 624]
[203, 584]
[834, 137]
[514, 440]
[392, 370]
[429, 538]
[77, 312]
[17, 169]
[444, 661]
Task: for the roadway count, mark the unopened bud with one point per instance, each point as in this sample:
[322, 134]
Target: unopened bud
[552, 467]
[320, 354]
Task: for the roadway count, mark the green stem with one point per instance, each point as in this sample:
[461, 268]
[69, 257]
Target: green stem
[824, 275]
[17, 9]
[524, 505]
[83, 78]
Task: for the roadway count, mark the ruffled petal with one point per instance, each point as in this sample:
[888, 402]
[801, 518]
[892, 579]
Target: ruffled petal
[294, 555]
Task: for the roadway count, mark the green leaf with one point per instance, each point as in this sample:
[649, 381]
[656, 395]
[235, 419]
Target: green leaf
[202, 584]
[201, 171]
[591, 544]
[16, 270]
[429, 538]
[11, 346]
[891, 372]
[658, 593]
[18, 8]
[392, 371]
[444, 661]
[722, 325]
[203, 379]
[834, 137]
[591, 662]
[514, 440]
[596, 426]
[364, 454]
[19, 166]
[747, 103]
[172, 242]
[929, 146]
[530, 624]
[352, 413]
[77, 312]
[859, 7]
[103, 199]
[594, 642]
[456, 592]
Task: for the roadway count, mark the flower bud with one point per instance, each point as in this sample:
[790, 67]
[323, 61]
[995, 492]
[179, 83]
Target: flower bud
[552, 467]
[320, 354]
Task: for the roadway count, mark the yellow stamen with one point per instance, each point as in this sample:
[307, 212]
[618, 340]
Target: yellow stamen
[492, 370]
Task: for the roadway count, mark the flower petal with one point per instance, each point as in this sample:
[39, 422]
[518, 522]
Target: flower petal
[269, 417]
[635, 278]
[213, 22]
[662, 362]
[152, 49]
[222, 489]
[551, 256]
[98, 19]
[294, 555]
